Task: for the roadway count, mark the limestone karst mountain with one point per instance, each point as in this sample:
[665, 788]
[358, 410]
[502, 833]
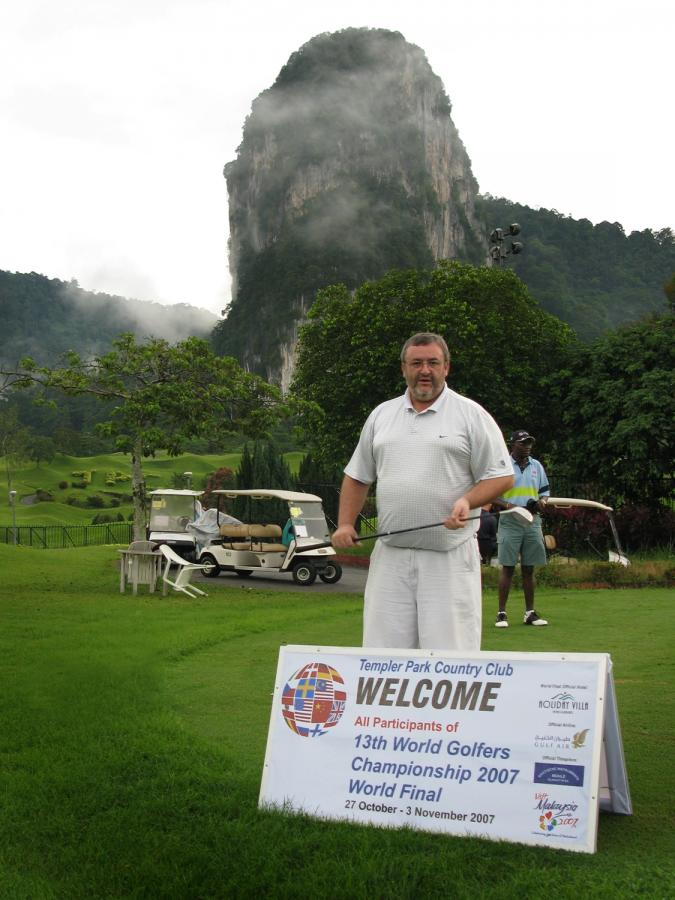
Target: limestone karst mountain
[350, 165]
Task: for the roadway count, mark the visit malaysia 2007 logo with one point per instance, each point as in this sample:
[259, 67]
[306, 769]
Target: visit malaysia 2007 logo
[313, 699]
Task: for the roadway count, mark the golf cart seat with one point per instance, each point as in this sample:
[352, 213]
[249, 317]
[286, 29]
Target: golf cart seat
[260, 532]
[254, 535]
[230, 532]
[233, 536]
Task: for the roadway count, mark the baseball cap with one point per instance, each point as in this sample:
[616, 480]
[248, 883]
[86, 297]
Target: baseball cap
[520, 435]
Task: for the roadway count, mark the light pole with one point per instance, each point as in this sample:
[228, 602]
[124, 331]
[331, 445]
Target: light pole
[12, 503]
[188, 479]
[497, 252]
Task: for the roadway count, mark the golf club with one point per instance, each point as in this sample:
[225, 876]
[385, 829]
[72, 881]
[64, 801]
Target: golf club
[521, 515]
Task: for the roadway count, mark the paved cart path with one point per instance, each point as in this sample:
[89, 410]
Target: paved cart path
[353, 581]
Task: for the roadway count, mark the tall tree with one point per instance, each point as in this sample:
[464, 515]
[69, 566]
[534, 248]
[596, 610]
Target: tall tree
[42, 449]
[502, 346]
[617, 412]
[14, 438]
[669, 291]
[164, 395]
[262, 466]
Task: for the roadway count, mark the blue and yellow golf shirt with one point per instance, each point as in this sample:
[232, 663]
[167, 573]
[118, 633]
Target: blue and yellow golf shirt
[530, 484]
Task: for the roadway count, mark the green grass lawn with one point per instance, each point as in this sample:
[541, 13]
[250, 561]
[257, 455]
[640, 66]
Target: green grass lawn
[134, 729]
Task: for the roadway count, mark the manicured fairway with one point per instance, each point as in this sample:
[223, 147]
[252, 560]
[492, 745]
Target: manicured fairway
[133, 732]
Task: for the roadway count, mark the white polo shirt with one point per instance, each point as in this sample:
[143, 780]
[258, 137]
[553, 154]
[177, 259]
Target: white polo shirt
[424, 461]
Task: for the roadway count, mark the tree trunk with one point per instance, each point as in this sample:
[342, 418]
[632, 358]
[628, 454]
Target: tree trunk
[138, 492]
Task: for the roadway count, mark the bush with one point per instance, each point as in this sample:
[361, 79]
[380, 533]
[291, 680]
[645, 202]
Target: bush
[112, 478]
[104, 518]
[78, 484]
[645, 527]
[552, 576]
[612, 574]
[96, 501]
[44, 496]
[652, 573]
[217, 481]
[63, 485]
[101, 519]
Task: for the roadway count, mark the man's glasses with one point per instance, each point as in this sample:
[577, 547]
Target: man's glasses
[420, 363]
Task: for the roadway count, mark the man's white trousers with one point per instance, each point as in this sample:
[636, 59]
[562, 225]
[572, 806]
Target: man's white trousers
[423, 599]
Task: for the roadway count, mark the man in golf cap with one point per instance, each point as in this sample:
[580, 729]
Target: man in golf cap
[435, 455]
[515, 539]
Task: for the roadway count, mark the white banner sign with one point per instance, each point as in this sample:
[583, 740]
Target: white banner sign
[501, 745]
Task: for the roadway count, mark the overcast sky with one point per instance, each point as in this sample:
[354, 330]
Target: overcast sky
[117, 117]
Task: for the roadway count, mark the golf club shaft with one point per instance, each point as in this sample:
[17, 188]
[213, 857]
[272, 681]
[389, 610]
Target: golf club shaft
[372, 537]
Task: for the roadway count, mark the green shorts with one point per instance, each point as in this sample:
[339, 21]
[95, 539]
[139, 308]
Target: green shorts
[514, 541]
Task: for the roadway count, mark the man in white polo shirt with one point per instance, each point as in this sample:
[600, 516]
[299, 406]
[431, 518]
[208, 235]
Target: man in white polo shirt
[435, 456]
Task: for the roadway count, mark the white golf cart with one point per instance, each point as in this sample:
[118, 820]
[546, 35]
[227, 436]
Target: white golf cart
[171, 511]
[257, 547]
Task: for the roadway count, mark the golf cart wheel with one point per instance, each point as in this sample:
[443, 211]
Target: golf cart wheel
[243, 573]
[304, 573]
[210, 569]
[331, 574]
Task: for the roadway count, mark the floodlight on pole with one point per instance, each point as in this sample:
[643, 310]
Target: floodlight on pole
[497, 252]
[188, 479]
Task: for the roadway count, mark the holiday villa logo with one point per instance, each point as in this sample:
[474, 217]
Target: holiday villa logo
[313, 699]
[565, 703]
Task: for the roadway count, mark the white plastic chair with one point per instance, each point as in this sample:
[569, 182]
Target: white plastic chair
[181, 581]
[140, 565]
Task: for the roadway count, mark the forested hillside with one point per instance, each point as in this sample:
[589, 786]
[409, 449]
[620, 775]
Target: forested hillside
[43, 317]
[593, 277]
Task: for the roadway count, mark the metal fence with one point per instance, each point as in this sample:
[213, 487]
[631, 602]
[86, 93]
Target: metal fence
[59, 536]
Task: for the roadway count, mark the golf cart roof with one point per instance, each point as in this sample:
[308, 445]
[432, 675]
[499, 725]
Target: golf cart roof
[258, 494]
[176, 492]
